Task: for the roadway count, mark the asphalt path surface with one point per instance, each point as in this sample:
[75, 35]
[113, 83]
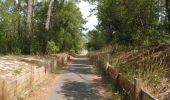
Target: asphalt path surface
[76, 83]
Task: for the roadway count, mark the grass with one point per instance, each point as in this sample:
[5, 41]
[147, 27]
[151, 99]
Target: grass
[108, 84]
[147, 64]
[148, 76]
[18, 71]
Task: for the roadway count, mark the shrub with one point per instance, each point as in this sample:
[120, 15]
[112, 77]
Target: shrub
[52, 47]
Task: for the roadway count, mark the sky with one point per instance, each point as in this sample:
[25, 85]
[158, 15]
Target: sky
[85, 10]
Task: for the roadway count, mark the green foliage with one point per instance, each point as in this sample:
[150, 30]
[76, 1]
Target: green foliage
[16, 51]
[8, 34]
[64, 33]
[96, 40]
[132, 22]
[149, 76]
[52, 47]
[150, 72]
[66, 29]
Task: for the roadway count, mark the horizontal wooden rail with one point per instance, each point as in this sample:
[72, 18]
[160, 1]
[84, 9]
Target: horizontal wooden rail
[10, 90]
[133, 89]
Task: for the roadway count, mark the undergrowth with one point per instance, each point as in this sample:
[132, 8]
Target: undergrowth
[147, 64]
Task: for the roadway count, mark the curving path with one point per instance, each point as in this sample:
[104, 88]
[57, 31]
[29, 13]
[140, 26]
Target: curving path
[76, 83]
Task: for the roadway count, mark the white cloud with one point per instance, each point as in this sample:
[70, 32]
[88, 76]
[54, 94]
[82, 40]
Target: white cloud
[85, 8]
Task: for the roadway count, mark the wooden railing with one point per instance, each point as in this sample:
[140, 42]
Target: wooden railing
[133, 89]
[11, 90]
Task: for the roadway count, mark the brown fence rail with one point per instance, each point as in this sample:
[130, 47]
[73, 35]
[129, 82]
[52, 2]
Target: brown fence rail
[11, 90]
[132, 89]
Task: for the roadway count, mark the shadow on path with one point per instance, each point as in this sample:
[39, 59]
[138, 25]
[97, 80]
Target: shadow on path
[76, 83]
[78, 91]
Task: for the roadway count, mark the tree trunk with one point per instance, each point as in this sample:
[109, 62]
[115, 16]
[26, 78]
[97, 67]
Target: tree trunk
[168, 13]
[19, 20]
[15, 22]
[47, 25]
[27, 36]
[29, 17]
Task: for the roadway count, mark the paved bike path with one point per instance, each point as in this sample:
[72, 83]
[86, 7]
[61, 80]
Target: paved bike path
[76, 83]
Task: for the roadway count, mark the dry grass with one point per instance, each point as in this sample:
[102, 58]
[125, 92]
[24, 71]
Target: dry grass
[151, 64]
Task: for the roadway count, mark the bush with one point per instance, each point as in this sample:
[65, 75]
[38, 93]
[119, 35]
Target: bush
[52, 47]
[16, 51]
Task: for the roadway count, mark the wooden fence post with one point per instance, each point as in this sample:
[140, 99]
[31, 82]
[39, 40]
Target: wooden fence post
[117, 72]
[5, 92]
[108, 57]
[137, 89]
[32, 77]
[62, 60]
[46, 65]
[53, 67]
[117, 78]
[107, 65]
[50, 65]
[15, 89]
[68, 58]
[1, 89]
[65, 60]
[96, 60]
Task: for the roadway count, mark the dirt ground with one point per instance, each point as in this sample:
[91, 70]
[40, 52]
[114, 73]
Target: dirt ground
[41, 91]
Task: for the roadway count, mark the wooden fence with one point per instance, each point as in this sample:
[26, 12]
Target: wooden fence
[55, 62]
[11, 90]
[133, 89]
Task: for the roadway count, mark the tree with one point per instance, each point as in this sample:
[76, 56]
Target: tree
[131, 22]
[96, 40]
[32, 26]
[167, 3]
[8, 31]
[29, 17]
[49, 14]
[67, 22]
[27, 36]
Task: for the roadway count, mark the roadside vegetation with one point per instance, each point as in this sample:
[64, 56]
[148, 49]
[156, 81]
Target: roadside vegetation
[134, 35]
[40, 27]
